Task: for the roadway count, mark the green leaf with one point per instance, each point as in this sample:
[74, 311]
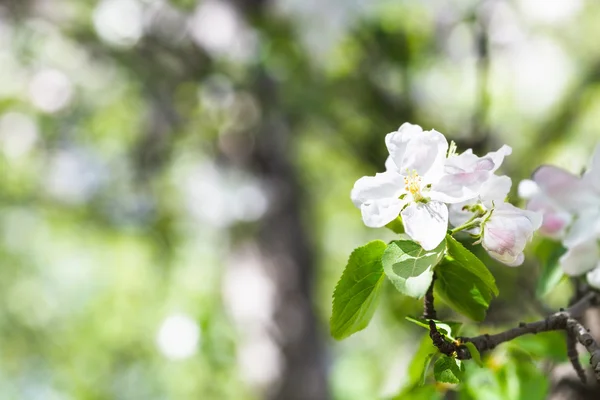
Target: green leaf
[549, 253]
[448, 369]
[357, 292]
[426, 365]
[464, 282]
[415, 368]
[410, 267]
[396, 225]
[474, 353]
[447, 328]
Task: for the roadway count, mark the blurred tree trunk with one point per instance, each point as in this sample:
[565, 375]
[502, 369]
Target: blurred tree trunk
[283, 239]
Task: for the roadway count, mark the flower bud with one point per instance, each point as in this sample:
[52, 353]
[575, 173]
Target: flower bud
[507, 231]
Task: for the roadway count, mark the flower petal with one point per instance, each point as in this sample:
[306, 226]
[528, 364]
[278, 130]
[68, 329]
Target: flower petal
[383, 185]
[585, 227]
[396, 142]
[496, 188]
[581, 258]
[497, 157]
[426, 223]
[565, 189]
[593, 277]
[426, 153]
[507, 232]
[528, 188]
[379, 213]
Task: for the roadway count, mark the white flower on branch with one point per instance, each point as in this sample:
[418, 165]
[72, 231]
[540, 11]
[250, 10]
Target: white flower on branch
[421, 180]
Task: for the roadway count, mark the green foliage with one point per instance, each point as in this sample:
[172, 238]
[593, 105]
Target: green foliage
[426, 364]
[410, 267]
[464, 282]
[357, 292]
[474, 353]
[548, 253]
[416, 373]
[448, 369]
[446, 328]
[396, 226]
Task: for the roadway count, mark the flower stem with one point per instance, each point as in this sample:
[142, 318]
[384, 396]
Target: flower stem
[473, 222]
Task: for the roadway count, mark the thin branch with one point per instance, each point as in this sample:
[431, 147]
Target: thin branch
[584, 337]
[573, 355]
[562, 320]
[428, 303]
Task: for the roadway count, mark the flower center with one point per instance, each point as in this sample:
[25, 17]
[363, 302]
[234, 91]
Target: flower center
[412, 184]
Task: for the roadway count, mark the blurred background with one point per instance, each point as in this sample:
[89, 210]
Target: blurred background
[175, 178]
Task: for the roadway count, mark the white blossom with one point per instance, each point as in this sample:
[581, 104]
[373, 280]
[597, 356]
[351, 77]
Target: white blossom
[507, 231]
[416, 162]
[421, 180]
[571, 212]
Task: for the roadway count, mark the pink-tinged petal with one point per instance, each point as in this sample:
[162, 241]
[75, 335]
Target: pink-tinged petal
[379, 213]
[381, 186]
[426, 223]
[581, 258]
[555, 221]
[508, 231]
[566, 189]
[467, 176]
[593, 277]
[425, 153]
[497, 157]
[396, 142]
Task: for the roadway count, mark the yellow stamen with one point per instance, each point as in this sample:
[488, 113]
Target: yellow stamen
[412, 184]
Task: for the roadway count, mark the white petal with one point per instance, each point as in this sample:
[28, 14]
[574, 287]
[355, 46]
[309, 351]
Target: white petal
[426, 153]
[584, 228]
[383, 185]
[396, 142]
[496, 188]
[378, 213]
[528, 188]
[390, 165]
[581, 258]
[426, 223]
[498, 156]
[593, 277]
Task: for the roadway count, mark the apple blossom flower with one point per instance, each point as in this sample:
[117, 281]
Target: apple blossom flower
[507, 231]
[417, 161]
[571, 212]
[418, 182]
[466, 173]
[495, 189]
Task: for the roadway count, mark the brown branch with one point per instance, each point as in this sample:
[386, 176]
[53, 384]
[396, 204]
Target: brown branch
[428, 304]
[584, 337]
[573, 355]
[563, 320]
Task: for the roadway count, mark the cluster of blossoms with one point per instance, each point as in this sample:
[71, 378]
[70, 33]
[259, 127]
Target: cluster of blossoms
[430, 186]
[571, 213]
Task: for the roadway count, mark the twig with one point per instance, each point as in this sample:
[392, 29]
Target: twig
[562, 320]
[428, 303]
[573, 355]
[584, 337]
